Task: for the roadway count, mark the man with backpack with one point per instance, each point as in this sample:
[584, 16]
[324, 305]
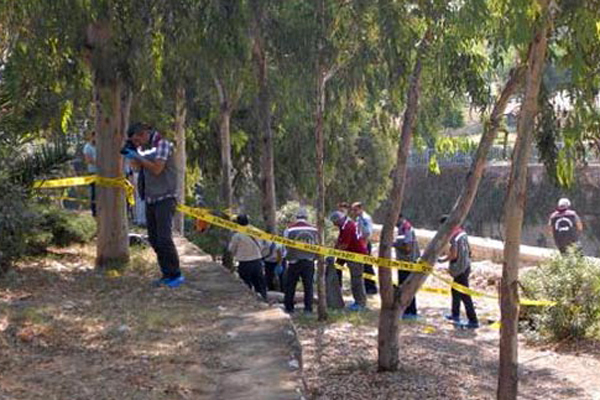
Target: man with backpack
[460, 269]
[301, 264]
[565, 225]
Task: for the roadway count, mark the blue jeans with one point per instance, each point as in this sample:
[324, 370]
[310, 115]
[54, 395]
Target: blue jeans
[159, 220]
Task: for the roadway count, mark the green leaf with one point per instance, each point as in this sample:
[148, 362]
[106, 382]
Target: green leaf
[434, 167]
[67, 114]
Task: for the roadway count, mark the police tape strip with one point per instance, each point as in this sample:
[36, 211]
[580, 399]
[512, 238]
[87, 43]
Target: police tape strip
[205, 215]
[121, 182]
[475, 293]
[456, 286]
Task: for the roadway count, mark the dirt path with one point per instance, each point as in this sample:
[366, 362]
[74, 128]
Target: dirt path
[69, 333]
[437, 360]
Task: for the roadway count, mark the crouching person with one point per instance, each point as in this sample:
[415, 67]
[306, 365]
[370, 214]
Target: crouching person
[248, 252]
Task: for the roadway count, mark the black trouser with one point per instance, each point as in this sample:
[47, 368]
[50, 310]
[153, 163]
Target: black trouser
[159, 219]
[457, 297]
[304, 269]
[252, 274]
[370, 285]
[340, 272]
[412, 307]
[93, 198]
[270, 276]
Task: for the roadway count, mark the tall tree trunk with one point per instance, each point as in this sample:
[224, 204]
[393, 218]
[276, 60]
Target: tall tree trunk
[112, 113]
[388, 316]
[463, 204]
[269, 205]
[320, 149]
[112, 101]
[180, 153]
[225, 108]
[513, 214]
[225, 141]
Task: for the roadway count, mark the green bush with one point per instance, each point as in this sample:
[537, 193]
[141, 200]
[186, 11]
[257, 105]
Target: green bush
[67, 227]
[212, 241]
[16, 220]
[573, 281]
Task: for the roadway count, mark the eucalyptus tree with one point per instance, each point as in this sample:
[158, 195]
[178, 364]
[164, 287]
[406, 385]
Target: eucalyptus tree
[175, 44]
[566, 27]
[449, 50]
[262, 11]
[108, 37]
[225, 49]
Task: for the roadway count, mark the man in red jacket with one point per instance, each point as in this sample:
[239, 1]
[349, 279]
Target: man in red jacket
[349, 240]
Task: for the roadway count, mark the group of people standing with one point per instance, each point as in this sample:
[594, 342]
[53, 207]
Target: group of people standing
[259, 262]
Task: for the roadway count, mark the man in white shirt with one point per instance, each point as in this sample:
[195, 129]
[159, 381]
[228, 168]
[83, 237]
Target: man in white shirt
[248, 251]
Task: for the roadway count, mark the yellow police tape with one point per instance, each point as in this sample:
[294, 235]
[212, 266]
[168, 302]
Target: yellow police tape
[121, 182]
[205, 215]
[456, 286]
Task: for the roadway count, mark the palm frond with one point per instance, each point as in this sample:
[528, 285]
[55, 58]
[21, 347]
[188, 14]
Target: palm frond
[40, 161]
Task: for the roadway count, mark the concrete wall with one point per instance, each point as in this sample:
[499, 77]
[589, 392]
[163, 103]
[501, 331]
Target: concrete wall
[428, 196]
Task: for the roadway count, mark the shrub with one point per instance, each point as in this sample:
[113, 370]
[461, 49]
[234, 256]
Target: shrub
[67, 227]
[573, 281]
[15, 222]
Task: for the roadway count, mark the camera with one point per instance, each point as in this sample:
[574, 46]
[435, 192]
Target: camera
[128, 146]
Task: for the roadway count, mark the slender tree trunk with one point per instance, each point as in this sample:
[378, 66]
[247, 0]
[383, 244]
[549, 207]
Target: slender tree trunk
[319, 140]
[264, 115]
[112, 101]
[513, 214]
[225, 108]
[180, 153]
[320, 149]
[112, 113]
[225, 141]
[463, 204]
[388, 316]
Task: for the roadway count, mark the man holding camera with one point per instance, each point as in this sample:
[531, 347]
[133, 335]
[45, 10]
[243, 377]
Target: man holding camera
[158, 173]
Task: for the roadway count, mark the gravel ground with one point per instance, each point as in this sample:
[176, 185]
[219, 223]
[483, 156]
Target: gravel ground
[438, 361]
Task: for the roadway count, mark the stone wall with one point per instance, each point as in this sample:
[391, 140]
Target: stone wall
[428, 196]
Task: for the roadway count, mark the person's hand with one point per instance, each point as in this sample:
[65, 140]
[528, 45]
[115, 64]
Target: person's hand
[133, 155]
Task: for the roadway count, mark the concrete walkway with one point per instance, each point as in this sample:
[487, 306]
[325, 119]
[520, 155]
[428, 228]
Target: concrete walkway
[261, 356]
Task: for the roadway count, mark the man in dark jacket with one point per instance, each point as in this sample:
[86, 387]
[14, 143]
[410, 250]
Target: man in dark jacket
[407, 249]
[460, 269]
[565, 225]
[301, 264]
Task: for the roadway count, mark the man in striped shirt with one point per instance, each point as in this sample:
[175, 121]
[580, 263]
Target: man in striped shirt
[158, 173]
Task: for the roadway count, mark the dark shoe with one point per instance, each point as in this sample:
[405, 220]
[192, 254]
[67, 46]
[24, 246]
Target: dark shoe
[410, 317]
[160, 282]
[452, 318]
[356, 307]
[469, 325]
